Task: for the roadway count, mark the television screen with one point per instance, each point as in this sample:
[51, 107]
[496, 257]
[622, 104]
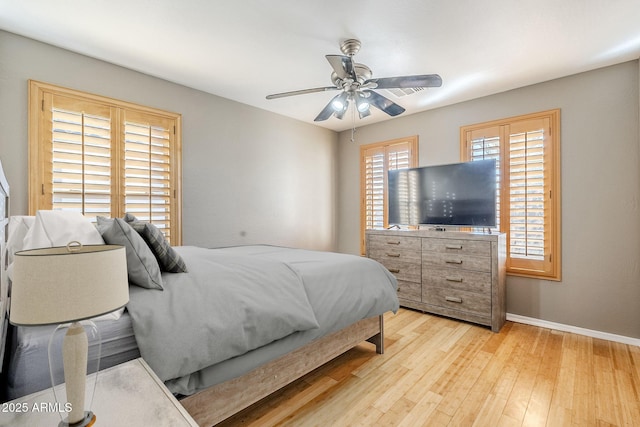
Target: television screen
[455, 194]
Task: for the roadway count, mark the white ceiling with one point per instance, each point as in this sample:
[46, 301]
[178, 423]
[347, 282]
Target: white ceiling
[246, 49]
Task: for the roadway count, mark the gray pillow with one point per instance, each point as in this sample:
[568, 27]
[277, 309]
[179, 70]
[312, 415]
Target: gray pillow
[142, 267]
[168, 259]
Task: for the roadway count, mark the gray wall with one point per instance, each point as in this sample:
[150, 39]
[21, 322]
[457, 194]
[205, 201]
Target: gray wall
[600, 146]
[249, 176]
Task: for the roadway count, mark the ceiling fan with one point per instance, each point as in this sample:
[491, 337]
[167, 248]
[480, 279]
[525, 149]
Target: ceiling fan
[356, 84]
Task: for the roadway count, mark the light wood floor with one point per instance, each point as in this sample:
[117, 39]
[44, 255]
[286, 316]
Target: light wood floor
[440, 372]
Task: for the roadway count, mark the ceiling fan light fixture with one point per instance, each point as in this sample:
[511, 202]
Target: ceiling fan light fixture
[340, 103]
[361, 103]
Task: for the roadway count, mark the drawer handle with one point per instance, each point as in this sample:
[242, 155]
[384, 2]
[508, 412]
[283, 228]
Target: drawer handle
[394, 270]
[393, 242]
[454, 247]
[454, 279]
[454, 261]
[454, 299]
[393, 255]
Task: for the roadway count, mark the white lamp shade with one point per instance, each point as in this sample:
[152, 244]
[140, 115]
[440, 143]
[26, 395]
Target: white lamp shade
[68, 284]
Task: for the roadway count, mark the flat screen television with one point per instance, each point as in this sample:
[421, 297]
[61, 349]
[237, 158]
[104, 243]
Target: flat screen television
[459, 194]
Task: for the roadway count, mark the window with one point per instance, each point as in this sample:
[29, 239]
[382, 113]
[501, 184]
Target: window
[104, 157]
[375, 161]
[527, 149]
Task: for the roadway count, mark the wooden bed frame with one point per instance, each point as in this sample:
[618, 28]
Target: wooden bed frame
[219, 402]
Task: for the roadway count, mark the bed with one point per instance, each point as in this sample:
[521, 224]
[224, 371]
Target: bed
[323, 304]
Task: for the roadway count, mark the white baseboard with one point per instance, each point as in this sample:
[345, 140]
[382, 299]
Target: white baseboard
[573, 329]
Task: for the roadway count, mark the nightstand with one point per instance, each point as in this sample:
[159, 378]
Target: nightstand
[129, 394]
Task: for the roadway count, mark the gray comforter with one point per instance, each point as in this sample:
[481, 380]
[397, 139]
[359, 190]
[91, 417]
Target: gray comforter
[234, 300]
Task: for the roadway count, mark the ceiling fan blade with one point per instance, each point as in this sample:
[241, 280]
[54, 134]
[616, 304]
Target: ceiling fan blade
[328, 110]
[324, 114]
[386, 105]
[342, 65]
[424, 80]
[301, 92]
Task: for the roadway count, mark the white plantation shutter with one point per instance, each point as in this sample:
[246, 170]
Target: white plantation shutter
[102, 157]
[374, 189]
[147, 171]
[81, 158]
[527, 150]
[527, 207]
[376, 161]
[485, 145]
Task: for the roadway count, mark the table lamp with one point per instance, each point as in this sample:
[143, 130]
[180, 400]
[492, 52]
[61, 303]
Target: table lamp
[66, 285]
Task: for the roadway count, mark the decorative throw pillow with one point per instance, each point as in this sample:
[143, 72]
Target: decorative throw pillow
[168, 259]
[142, 267]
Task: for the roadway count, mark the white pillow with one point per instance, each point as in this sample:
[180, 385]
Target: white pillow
[19, 225]
[58, 228]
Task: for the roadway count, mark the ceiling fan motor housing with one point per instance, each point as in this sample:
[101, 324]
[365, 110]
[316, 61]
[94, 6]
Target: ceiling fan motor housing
[362, 72]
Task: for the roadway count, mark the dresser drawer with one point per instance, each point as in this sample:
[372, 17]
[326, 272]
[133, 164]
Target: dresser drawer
[409, 290]
[469, 302]
[377, 241]
[457, 278]
[407, 271]
[457, 247]
[456, 261]
[395, 253]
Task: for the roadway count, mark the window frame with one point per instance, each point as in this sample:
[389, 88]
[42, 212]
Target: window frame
[39, 137]
[550, 268]
[385, 147]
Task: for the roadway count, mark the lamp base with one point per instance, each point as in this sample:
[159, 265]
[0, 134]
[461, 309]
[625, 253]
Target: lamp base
[87, 421]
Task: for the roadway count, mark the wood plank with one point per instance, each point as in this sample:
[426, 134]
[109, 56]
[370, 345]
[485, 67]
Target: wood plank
[584, 402]
[540, 403]
[520, 395]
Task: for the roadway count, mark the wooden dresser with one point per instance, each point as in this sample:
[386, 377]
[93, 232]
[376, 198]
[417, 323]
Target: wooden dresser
[455, 274]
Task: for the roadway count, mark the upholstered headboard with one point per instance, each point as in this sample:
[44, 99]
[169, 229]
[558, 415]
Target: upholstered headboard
[4, 286]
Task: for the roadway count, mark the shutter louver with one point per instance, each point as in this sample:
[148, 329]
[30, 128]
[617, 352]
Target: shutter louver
[408, 199]
[486, 148]
[81, 162]
[147, 174]
[526, 195]
[374, 191]
[399, 159]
